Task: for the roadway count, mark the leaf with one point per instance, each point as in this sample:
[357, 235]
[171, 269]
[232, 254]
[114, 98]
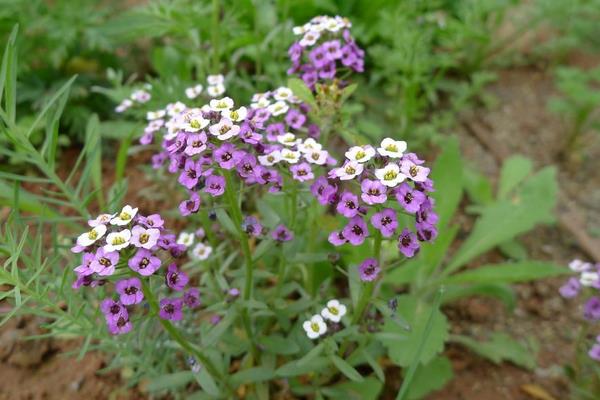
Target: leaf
[348, 91]
[8, 77]
[505, 219]
[226, 221]
[403, 350]
[447, 175]
[252, 375]
[206, 382]
[302, 91]
[430, 377]
[292, 368]
[314, 352]
[170, 381]
[514, 171]
[478, 187]
[346, 368]
[369, 389]
[513, 249]
[502, 292]
[521, 271]
[277, 344]
[501, 347]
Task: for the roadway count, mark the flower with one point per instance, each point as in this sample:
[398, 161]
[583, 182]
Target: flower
[594, 352]
[589, 278]
[386, 221]
[579, 266]
[360, 154]
[153, 221]
[413, 171]
[193, 91]
[125, 216]
[101, 219]
[216, 79]
[348, 205]
[302, 172]
[290, 156]
[89, 238]
[334, 311]
[315, 327]
[390, 175]
[278, 108]
[227, 156]
[410, 199]
[392, 148]
[270, 159]
[219, 105]
[408, 243]
[251, 226]
[195, 144]
[570, 289]
[369, 270]
[112, 310]
[215, 185]
[119, 326]
[337, 238]
[130, 291]
[176, 279]
[224, 129]
[373, 192]
[288, 139]
[356, 231]
[170, 309]
[201, 251]
[142, 237]
[191, 298]
[323, 190]
[144, 262]
[116, 241]
[282, 234]
[282, 93]
[186, 239]
[215, 90]
[591, 309]
[295, 119]
[190, 206]
[350, 170]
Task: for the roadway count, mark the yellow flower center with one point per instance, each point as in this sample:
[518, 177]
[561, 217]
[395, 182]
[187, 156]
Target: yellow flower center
[92, 235]
[333, 310]
[234, 115]
[414, 170]
[117, 240]
[350, 170]
[360, 155]
[390, 175]
[144, 237]
[391, 147]
[314, 327]
[195, 124]
[224, 129]
[125, 216]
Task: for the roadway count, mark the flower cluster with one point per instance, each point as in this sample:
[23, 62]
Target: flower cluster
[387, 182]
[316, 326]
[588, 282]
[325, 47]
[139, 96]
[124, 248]
[215, 87]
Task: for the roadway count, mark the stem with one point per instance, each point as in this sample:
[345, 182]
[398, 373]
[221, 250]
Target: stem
[178, 337]
[216, 16]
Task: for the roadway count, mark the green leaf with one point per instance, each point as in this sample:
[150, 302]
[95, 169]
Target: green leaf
[252, 375]
[346, 368]
[404, 349]
[430, 377]
[8, 77]
[292, 368]
[514, 171]
[170, 381]
[369, 389]
[302, 91]
[500, 291]
[207, 383]
[447, 175]
[314, 352]
[277, 344]
[501, 347]
[226, 221]
[478, 187]
[513, 249]
[521, 271]
[348, 91]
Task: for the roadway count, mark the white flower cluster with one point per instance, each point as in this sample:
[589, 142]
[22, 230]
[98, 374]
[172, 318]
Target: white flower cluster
[137, 96]
[275, 101]
[313, 29]
[200, 251]
[588, 275]
[215, 87]
[316, 326]
[294, 149]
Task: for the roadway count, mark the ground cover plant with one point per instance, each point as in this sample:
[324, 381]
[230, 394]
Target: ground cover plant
[265, 215]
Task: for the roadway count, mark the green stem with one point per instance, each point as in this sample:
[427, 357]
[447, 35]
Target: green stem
[178, 337]
[216, 16]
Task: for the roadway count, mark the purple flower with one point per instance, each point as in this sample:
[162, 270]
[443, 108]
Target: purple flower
[591, 309]
[356, 231]
[369, 270]
[333, 50]
[85, 268]
[130, 291]
[176, 279]
[251, 226]
[410, 199]
[166, 241]
[144, 262]
[426, 232]
[190, 174]
[570, 289]
[295, 52]
[282, 234]
[170, 309]
[328, 71]
[112, 310]
[154, 221]
[348, 56]
[196, 144]
[594, 352]
[142, 237]
[323, 190]
[158, 160]
[408, 243]
[348, 205]
[119, 326]
[190, 206]
[177, 144]
[426, 213]
[227, 156]
[318, 57]
[295, 119]
[233, 292]
[302, 172]
[246, 165]
[314, 131]
[191, 298]
[104, 263]
[215, 185]
[414, 171]
[274, 130]
[310, 78]
[337, 238]
[373, 192]
[386, 221]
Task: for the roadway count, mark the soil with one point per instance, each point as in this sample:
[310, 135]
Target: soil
[521, 121]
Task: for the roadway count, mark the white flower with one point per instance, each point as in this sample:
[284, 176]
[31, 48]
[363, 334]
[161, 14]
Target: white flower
[334, 311]
[256, 97]
[152, 115]
[390, 175]
[125, 216]
[309, 145]
[124, 105]
[224, 129]
[235, 115]
[215, 79]
[589, 278]
[225, 103]
[269, 159]
[283, 94]
[193, 120]
[290, 156]
[193, 91]
[175, 108]
[332, 25]
[263, 102]
[201, 251]
[579, 266]
[301, 30]
[392, 148]
[215, 90]
[141, 96]
[116, 241]
[88, 238]
[288, 139]
[360, 154]
[101, 219]
[318, 157]
[350, 170]
[315, 327]
[186, 238]
[278, 108]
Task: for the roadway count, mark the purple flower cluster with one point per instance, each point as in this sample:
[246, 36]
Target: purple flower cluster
[588, 283]
[389, 182]
[129, 244]
[326, 47]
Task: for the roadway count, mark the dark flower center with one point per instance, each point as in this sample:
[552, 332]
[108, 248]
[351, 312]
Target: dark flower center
[105, 262]
[408, 197]
[386, 221]
[121, 322]
[350, 204]
[131, 290]
[169, 308]
[373, 192]
[226, 157]
[144, 263]
[406, 241]
[413, 171]
[115, 309]
[370, 270]
[174, 278]
[357, 230]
